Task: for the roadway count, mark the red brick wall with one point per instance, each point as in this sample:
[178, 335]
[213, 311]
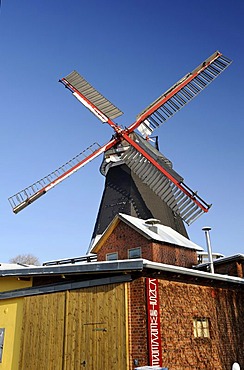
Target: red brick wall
[180, 303]
[173, 255]
[137, 322]
[124, 238]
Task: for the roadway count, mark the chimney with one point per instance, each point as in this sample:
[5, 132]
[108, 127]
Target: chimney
[206, 229]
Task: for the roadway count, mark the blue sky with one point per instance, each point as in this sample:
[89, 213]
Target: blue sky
[131, 51]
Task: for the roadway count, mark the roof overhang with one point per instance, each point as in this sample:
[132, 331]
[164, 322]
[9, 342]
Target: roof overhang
[94, 269]
[84, 268]
[195, 275]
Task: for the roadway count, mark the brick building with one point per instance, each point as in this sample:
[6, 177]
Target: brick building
[231, 265]
[139, 302]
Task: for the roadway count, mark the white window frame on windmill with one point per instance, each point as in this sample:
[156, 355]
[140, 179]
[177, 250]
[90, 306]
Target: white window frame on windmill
[134, 253]
[201, 327]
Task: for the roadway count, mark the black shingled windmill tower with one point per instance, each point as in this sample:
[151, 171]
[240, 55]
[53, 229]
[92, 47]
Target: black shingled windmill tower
[140, 181]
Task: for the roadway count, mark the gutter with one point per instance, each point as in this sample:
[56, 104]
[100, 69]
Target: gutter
[193, 273]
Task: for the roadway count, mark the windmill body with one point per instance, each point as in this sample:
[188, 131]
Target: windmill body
[140, 181]
[124, 192]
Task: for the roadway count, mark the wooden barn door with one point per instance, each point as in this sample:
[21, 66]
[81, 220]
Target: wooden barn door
[75, 330]
[43, 332]
[96, 331]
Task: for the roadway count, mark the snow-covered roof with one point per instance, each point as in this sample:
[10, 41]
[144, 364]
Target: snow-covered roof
[14, 266]
[159, 232]
[151, 229]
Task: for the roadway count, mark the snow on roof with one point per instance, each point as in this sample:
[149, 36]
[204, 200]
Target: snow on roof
[159, 232]
[14, 266]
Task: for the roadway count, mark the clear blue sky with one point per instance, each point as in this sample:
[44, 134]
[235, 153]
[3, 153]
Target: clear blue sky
[131, 51]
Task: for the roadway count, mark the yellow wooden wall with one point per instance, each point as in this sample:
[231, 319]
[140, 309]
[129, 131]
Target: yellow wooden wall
[11, 320]
[11, 312]
[82, 329]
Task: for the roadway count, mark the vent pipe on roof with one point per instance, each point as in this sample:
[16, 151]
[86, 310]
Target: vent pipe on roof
[152, 223]
[206, 229]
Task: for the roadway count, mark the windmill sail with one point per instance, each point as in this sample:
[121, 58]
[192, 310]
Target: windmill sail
[180, 94]
[28, 195]
[90, 97]
[164, 181]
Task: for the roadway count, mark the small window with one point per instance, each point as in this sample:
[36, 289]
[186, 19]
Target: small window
[201, 328]
[112, 256]
[199, 259]
[134, 253]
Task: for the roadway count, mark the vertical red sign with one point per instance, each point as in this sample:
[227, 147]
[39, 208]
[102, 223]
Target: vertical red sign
[153, 316]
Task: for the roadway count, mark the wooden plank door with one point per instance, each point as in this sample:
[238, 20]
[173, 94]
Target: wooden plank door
[96, 329]
[82, 329]
[43, 332]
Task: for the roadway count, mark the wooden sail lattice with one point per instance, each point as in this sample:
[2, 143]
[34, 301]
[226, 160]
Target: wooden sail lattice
[181, 93]
[34, 191]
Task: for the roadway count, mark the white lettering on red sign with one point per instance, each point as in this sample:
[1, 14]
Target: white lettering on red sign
[154, 338]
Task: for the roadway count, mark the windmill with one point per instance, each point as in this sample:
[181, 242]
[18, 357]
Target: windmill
[129, 155]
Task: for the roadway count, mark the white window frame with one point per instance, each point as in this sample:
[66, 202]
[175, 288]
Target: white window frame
[201, 327]
[109, 256]
[133, 250]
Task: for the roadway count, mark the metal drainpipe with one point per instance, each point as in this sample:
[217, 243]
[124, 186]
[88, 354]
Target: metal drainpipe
[206, 229]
